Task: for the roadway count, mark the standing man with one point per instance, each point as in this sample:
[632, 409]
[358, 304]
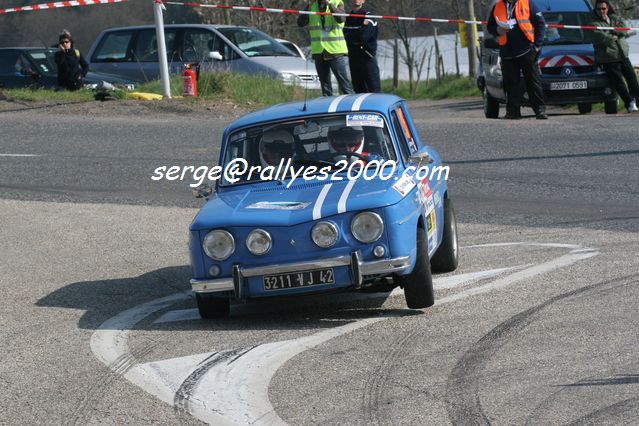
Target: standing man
[328, 46]
[361, 39]
[72, 67]
[520, 28]
[611, 50]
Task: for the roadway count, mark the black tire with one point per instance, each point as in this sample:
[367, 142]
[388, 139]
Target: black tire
[446, 258]
[212, 307]
[491, 106]
[584, 108]
[611, 107]
[418, 285]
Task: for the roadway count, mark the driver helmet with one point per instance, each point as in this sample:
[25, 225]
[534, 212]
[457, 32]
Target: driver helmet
[274, 146]
[346, 140]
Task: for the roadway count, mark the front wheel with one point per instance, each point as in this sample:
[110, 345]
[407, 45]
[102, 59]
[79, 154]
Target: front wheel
[212, 307]
[491, 105]
[584, 108]
[611, 107]
[418, 285]
[446, 258]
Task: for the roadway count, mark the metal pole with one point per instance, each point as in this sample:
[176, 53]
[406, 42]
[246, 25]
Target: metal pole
[159, 36]
[472, 37]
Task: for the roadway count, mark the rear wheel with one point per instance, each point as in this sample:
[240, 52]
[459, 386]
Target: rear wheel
[584, 108]
[611, 107]
[418, 285]
[446, 258]
[491, 105]
[212, 307]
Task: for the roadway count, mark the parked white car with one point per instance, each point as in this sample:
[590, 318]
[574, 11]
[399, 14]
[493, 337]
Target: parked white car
[132, 53]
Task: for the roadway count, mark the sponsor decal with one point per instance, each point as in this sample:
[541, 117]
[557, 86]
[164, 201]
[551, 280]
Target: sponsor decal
[431, 224]
[279, 205]
[438, 199]
[369, 120]
[404, 185]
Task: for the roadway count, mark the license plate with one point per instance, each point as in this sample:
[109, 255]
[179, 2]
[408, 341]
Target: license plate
[299, 279]
[569, 85]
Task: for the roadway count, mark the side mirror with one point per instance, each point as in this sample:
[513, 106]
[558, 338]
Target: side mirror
[215, 55]
[420, 158]
[491, 43]
[202, 191]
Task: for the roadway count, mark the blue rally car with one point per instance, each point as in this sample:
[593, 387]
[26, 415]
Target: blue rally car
[339, 193]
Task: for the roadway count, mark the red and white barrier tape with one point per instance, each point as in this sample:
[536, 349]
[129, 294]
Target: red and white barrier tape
[290, 12]
[57, 4]
[391, 17]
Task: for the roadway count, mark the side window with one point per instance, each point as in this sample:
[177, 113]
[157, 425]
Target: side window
[403, 144]
[408, 135]
[197, 44]
[224, 49]
[113, 47]
[146, 47]
[8, 59]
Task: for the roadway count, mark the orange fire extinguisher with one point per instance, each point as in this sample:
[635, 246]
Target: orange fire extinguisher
[189, 81]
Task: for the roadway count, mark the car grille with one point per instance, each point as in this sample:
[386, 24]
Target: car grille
[308, 77]
[583, 69]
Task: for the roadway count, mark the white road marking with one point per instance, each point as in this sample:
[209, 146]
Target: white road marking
[20, 155]
[236, 392]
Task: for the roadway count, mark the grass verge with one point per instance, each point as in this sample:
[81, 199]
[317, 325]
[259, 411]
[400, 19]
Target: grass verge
[253, 91]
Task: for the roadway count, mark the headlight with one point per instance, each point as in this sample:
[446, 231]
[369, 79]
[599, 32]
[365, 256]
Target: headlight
[259, 242]
[325, 234]
[219, 244]
[289, 77]
[367, 227]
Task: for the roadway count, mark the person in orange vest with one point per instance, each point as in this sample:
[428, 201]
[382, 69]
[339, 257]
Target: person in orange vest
[520, 28]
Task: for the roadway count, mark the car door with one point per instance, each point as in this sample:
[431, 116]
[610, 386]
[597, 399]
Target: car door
[13, 70]
[144, 63]
[198, 45]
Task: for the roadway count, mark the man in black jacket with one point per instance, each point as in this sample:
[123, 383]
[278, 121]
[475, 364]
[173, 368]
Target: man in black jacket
[361, 38]
[72, 67]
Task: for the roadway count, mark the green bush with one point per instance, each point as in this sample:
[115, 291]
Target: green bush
[449, 86]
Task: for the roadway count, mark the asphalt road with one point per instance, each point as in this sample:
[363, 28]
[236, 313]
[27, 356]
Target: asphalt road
[538, 325]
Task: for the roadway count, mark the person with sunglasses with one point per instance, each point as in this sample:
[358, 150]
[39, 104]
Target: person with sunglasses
[611, 50]
[347, 143]
[72, 67]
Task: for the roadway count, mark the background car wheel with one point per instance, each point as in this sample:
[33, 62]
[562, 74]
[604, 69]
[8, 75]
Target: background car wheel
[212, 307]
[611, 107]
[446, 258]
[418, 285]
[491, 106]
[584, 108]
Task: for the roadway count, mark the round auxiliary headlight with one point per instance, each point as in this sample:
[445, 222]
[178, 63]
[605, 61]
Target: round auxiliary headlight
[325, 234]
[259, 242]
[367, 227]
[219, 244]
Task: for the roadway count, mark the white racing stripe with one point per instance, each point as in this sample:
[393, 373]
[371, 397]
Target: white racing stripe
[358, 102]
[341, 205]
[317, 209]
[235, 391]
[333, 106]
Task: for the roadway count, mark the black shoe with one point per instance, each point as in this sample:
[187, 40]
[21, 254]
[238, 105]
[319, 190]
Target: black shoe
[510, 116]
[541, 116]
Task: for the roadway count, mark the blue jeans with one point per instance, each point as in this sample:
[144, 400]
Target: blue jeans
[339, 67]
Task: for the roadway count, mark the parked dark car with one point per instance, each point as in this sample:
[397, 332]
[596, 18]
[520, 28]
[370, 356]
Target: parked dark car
[569, 72]
[35, 67]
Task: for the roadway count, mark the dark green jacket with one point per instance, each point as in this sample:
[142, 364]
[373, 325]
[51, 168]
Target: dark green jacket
[610, 45]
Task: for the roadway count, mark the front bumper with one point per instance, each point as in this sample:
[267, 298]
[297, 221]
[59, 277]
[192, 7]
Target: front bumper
[359, 271]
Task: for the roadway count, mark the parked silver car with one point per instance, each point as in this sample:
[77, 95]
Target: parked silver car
[132, 52]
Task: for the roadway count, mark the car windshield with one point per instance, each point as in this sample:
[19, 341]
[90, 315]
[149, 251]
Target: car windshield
[320, 141]
[556, 36]
[255, 43]
[44, 60]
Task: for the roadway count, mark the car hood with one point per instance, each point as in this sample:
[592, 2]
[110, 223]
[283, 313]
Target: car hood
[271, 204]
[292, 64]
[568, 54]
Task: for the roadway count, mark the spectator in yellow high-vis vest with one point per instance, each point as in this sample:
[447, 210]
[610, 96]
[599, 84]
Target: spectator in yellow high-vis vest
[328, 45]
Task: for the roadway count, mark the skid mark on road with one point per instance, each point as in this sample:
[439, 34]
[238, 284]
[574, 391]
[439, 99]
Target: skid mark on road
[464, 382]
[237, 393]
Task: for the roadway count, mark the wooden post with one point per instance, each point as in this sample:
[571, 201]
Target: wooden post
[472, 36]
[457, 54]
[395, 65]
[437, 73]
